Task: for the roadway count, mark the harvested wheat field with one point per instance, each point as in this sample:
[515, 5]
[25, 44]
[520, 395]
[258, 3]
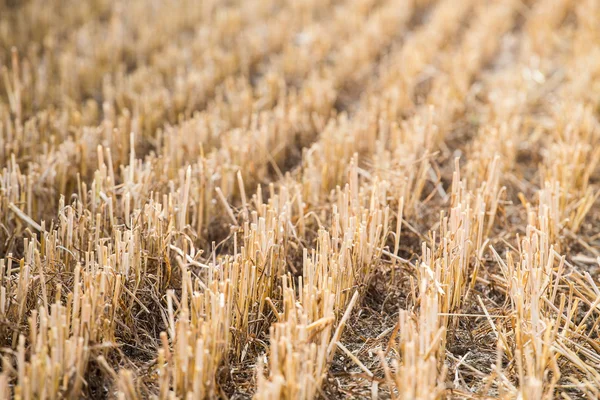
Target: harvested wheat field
[300, 199]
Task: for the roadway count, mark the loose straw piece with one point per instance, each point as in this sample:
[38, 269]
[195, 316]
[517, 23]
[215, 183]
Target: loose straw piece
[340, 327]
[226, 205]
[26, 218]
[355, 359]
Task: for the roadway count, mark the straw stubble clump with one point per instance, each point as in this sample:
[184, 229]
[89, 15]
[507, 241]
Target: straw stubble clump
[299, 199]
